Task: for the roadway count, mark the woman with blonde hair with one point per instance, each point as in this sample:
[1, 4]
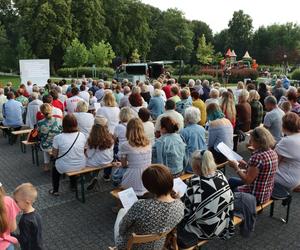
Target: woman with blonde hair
[120, 129]
[100, 145]
[203, 209]
[228, 107]
[49, 127]
[85, 120]
[156, 104]
[110, 111]
[135, 156]
[8, 213]
[257, 176]
[257, 110]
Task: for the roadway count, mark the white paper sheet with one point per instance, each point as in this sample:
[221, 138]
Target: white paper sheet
[128, 198]
[228, 152]
[179, 187]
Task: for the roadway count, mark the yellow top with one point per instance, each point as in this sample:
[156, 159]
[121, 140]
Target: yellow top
[201, 106]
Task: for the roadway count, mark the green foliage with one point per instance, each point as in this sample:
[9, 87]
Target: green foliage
[101, 54]
[240, 32]
[128, 23]
[6, 50]
[199, 28]
[76, 54]
[205, 51]
[46, 26]
[88, 21]
[173, 38]
[87, 71]
[135, 56]
[271, 43]
[24, 49]
[236, 74]
[296, 74]
[217, 58]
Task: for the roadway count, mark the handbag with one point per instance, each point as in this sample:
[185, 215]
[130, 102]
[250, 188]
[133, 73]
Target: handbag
[33, 136]
[54, 159]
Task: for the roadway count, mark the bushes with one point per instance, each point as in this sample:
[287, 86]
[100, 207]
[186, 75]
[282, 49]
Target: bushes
[87, 71]
[236, 74]
[296, 74]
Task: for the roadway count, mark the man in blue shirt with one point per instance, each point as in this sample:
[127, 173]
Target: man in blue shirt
[12, 112]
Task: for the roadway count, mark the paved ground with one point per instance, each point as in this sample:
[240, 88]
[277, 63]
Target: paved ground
[69, 224]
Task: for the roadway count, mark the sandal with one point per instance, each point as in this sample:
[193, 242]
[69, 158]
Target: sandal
[53, 193]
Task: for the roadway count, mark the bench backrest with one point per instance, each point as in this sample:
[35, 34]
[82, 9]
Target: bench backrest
[141, 239]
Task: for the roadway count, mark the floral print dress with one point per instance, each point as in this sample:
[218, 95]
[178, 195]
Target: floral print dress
[47, 129]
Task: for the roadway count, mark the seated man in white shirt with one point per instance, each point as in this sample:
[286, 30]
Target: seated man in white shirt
[32, 109]
[71, 103]
[171, 112]
[84, 94]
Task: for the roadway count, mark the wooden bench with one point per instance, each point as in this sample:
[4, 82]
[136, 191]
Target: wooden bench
[34, 150]
[183, 177]
[22, 133]
[236, 221]
[81, 173]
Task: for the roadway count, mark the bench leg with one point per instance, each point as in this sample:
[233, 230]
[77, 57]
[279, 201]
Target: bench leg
[82, 188]
[32, 154]
[82, 198]
[289, 201]
[272, 209]
[36, 154]
[23, 148]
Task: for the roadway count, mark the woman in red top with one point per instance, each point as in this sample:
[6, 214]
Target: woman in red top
[56, 102]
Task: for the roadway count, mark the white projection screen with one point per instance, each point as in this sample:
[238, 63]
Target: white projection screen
[35, 70]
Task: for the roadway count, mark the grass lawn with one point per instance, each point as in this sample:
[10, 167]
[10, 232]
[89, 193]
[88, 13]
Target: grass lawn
[14, 79]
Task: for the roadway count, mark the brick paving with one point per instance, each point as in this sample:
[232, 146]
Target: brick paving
[69, 224]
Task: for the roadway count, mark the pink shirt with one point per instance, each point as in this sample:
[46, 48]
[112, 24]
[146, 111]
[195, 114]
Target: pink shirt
[12, 210]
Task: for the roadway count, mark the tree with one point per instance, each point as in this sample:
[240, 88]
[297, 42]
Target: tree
[128, 23]
[101, 54]
[240, 32]
[221, 41]
[217, 58]
[205, 51]
[199, 28]
[6, 51]
[88, 21]
[46, 27]
[76, 55]
[174, 38]
[135, 56]
[24, 49]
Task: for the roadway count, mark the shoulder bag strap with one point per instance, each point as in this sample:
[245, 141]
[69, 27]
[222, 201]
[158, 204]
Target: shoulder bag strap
[69, 148]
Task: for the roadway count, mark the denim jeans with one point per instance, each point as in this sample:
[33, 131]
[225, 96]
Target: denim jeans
[234, 183]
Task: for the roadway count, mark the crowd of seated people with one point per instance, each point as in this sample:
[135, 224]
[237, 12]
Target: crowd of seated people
[159, 131]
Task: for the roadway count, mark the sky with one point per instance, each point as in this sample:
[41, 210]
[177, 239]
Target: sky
[217, 13]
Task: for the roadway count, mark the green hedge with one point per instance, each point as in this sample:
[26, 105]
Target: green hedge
[236, 74]
[87, 71]
[296, 74]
